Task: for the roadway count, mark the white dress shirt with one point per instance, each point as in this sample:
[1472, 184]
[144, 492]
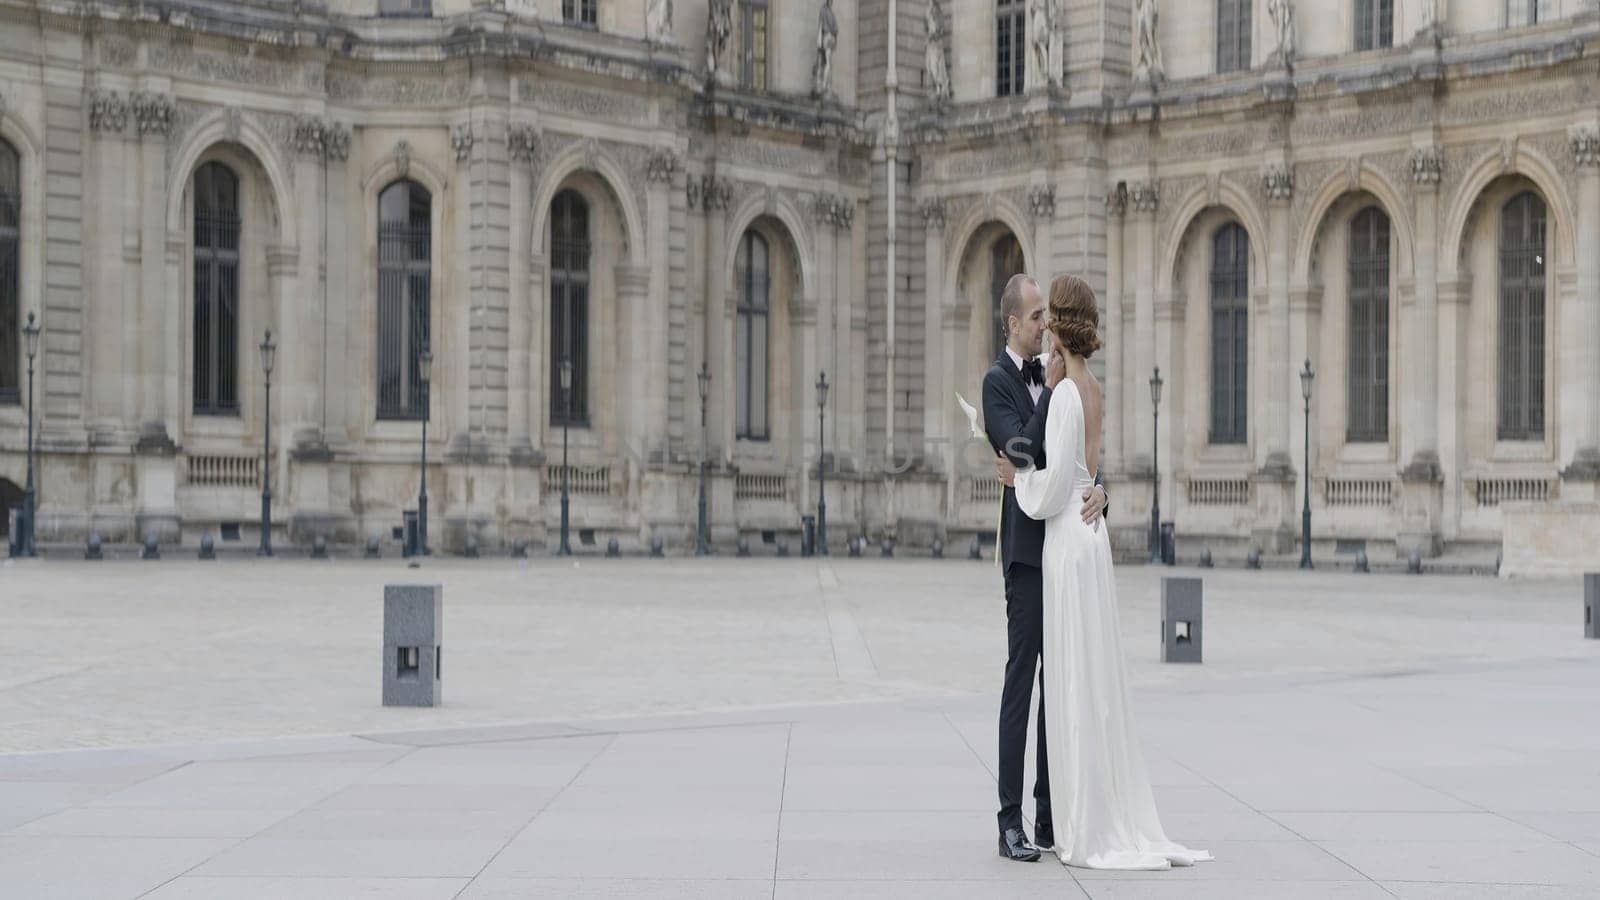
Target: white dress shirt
[1034, 390]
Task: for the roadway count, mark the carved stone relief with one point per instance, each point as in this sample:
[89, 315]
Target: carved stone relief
[661, 166]
[933, 212]
[1584, 143]
[1493, 106]
[403, 91]
[240, 68]
[107, 111]
[1042, 202]
[832, 209]
[461, 141]
[585, 102]
[1386, 119]
[1277, 181]
[1426, 166]
[1146, 196]
[153, 113]
[1311, 176]
[116, 51]
[522, 142]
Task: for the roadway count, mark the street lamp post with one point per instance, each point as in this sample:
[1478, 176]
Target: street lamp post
[822, 468]
[566, 420]
[30, 331]
[425, 371]
[702, 540]
[1155, 466]
[1306, 375]
[269, 352]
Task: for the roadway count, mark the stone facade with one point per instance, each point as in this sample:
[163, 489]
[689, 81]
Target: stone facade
[890, 214]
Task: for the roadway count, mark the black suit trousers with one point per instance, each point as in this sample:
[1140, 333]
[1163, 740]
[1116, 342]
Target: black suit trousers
[1025, 635]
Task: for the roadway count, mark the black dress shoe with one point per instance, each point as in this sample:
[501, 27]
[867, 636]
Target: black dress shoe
[1014, 846]
[1044, 837]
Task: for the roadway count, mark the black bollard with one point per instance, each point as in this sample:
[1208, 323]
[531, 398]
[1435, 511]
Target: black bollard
[1205, 558]
[1253, 559]
[373, 551]
[938, 549]
[92, 549]
[152, 550]
[319, 547]
[208, 548]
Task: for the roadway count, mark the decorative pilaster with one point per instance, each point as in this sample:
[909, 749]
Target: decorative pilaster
[1280, 446]
[1118, 375]
[1421, 480]
[1582, 407]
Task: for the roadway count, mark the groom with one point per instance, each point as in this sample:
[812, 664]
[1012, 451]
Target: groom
[1016, 399]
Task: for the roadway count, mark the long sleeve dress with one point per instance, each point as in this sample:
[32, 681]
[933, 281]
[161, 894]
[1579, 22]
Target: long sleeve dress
[1101, 800]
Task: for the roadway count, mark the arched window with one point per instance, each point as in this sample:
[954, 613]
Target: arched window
[569, 307]
[754, 275]
[1010, 46]
[1006, 262]
[1233, 35]
[216, 290]
[10, 289]
[1374, 24]
[1522, 222]
[1230, 334]
[405, 290]
[1369, 327]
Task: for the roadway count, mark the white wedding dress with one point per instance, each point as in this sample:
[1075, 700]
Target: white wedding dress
[1103, 809]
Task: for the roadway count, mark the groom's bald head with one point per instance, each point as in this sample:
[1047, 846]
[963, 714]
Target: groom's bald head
[1022, 310]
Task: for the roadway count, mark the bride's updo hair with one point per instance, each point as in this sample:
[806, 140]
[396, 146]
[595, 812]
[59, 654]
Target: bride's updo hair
[1073, 316]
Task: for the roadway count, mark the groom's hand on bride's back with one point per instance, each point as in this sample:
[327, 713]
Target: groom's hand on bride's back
[1094, 504]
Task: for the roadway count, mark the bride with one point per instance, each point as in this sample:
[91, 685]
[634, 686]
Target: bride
[1104, 811]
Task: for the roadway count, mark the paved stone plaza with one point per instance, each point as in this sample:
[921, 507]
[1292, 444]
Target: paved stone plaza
[767, 728]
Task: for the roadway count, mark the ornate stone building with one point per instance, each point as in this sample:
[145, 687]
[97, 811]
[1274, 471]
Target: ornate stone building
[1407, 193]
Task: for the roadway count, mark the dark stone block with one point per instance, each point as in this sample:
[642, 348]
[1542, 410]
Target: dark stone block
[413, 636]
[1181, 600]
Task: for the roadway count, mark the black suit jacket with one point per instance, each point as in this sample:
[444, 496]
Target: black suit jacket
[1015, 426]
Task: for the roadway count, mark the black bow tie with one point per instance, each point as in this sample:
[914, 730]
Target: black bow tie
[1033, 372]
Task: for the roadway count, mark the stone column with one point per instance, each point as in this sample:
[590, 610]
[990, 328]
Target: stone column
[804, 355]
[942, 420]
[639, 379]
[661, 174]
[1276, 479]
[1455, 302]
[1118, 344]
[1421, 486]
[1042, 207]
[160, 353]
[1145, 197]
[153, 114]
[717, 334]
[1580, 404]
[299, 387]
[340, 280]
